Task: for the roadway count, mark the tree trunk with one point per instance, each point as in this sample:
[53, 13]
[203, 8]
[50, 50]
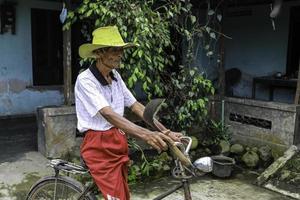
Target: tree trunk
[67, 62]
[221, 70]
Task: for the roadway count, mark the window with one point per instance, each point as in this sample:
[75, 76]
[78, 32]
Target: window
[47, 47]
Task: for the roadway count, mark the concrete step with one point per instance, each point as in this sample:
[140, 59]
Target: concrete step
[17, 136]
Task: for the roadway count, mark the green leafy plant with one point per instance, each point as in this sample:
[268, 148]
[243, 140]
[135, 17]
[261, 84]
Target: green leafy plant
[158, 66]
[147, 166]
[214, 133]
[187, 98]
[153, 66]
[153, 167]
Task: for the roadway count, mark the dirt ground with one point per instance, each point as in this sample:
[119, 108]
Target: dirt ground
[17, 176]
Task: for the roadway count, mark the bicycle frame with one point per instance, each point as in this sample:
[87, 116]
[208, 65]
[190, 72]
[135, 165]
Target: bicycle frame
[179, 172]
[180, 151]
[91, 188]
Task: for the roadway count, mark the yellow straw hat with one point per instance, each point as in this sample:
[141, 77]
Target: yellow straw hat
[108, 36]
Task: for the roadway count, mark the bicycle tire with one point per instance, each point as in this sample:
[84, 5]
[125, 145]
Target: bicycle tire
[42, 189]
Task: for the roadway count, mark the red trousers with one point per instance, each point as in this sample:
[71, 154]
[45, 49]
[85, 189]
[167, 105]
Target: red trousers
[106, 155]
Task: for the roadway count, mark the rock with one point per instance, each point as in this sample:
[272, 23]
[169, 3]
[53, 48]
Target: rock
[237, 149]
[276, 154]
[194, 142]
[250, 158]
[166, 167]
[225, 146]
[265, 153]
[192, 153]
[240, 176]
[284, 174]
[207, 150]
[254, 149]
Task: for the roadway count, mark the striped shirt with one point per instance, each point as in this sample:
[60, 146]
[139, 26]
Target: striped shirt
[92, 93]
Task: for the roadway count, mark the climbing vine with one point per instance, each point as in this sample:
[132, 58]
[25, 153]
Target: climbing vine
[155, 67]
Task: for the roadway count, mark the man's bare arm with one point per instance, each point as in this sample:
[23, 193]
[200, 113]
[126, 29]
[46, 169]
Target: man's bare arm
[155, 139]
[139, 109]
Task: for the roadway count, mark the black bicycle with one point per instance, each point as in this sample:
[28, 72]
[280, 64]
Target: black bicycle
[63, 187]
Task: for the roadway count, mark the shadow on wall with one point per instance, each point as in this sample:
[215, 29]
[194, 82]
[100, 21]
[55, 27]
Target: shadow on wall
[238, 83]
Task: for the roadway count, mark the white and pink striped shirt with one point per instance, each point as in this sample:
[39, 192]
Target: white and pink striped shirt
[92, 93]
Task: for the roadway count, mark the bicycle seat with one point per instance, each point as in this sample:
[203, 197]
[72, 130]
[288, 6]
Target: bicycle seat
[67, 166]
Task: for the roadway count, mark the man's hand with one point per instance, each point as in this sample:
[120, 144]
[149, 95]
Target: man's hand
[175, 136]
[158, 140]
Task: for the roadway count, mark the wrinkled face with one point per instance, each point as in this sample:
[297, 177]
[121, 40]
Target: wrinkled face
[110, 56]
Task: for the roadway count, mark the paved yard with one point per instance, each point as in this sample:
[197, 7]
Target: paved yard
[17, 175]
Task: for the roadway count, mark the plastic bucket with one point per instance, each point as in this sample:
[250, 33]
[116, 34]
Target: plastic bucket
[222, 166]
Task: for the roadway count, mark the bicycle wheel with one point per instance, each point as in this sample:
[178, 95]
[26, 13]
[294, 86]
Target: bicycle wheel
[58, 188]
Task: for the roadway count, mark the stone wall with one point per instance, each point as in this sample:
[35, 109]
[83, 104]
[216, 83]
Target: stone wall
[256, 122]
[57, 131]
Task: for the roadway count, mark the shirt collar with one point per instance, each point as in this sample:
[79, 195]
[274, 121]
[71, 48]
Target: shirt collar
[99, 76]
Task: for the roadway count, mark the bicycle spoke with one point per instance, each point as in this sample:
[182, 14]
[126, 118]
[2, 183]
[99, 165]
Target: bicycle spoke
[58, 192]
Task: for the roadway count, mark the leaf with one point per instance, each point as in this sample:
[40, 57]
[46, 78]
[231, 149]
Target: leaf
[148, 79]
[148, 59]
[184, 9]
[187, 33]
[145, 86]
[207, 29]
[89, 13]
[192, 72]
[70, 14]
[210, 53]
[211, 12]
[97, 23]
[212, 35]
[140, 53]
[134, 53]
[130, 82]
[134, 78]
[219, 17]
[136, 70]
[193, 19]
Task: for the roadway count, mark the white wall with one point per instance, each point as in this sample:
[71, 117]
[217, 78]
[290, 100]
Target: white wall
[16, 65]
[255, 48]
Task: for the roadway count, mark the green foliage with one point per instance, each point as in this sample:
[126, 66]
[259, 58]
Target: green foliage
[149, 23]
[151, 167]
[141, 23]
[187, 98]
[215, 132]
[294, 163]
[144, 167]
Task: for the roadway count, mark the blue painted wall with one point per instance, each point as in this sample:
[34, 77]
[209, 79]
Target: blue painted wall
[255, 48]
[16, 65]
